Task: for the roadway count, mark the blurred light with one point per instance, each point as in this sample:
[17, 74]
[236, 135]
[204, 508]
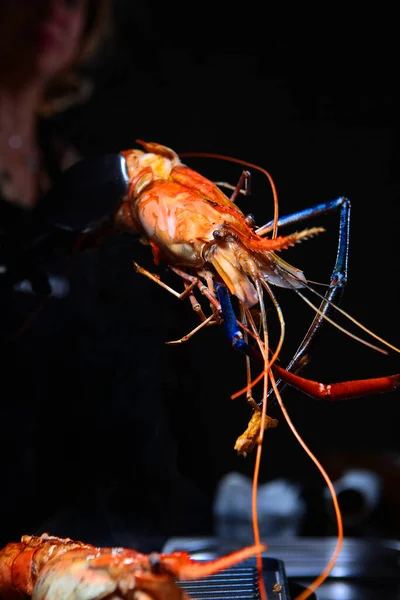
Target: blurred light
[341, 571]
[341, 591]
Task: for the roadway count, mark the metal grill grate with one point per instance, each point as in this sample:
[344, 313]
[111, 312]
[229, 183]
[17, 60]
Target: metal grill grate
[240, 583]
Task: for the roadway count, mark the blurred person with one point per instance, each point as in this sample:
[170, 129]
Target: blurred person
[88, 447]
[43, 46]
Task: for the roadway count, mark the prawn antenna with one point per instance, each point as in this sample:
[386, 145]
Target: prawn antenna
[345, 314]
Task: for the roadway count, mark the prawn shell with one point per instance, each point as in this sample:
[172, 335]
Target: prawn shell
[190, 222]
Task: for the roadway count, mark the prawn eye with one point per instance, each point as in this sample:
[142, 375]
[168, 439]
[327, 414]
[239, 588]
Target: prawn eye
[250, 221]
[220, 233]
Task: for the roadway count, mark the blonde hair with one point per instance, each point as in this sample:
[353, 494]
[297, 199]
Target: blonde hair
[70, 87]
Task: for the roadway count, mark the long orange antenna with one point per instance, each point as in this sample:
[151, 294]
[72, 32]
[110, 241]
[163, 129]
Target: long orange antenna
[267, 375]
[328, 568]
[254, 511]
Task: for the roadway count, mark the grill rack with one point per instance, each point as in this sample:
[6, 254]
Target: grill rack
[241, 583]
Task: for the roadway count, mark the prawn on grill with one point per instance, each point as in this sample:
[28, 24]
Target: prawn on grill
[47, 567]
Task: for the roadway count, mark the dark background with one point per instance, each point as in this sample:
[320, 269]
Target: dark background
[307, 97]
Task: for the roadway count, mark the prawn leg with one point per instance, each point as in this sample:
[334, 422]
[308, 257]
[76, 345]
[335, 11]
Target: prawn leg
[157, 280]
[195, 282]
[333, 294]
[242, 186]
[232, 329]
[343, 390]
[332, 391]
[338, 278]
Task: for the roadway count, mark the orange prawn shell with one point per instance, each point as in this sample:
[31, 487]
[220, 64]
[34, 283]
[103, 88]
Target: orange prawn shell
[179, 210]
[51, 567]
[176, 207]
[21, 562]
[190, 222]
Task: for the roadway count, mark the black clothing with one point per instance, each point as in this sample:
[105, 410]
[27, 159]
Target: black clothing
[92, 402]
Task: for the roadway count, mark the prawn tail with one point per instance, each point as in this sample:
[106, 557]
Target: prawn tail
[155, 148]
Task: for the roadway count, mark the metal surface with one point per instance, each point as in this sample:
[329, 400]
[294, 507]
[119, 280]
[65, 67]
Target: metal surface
[240, 583]
[306, 557]
[365, 569]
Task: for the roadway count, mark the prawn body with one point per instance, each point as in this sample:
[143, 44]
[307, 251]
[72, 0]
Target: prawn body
[191, 223]
[47, 567]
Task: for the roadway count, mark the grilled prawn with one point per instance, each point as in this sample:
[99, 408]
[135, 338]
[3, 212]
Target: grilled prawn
[191, 223]
[202, 235]
[51, 568]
